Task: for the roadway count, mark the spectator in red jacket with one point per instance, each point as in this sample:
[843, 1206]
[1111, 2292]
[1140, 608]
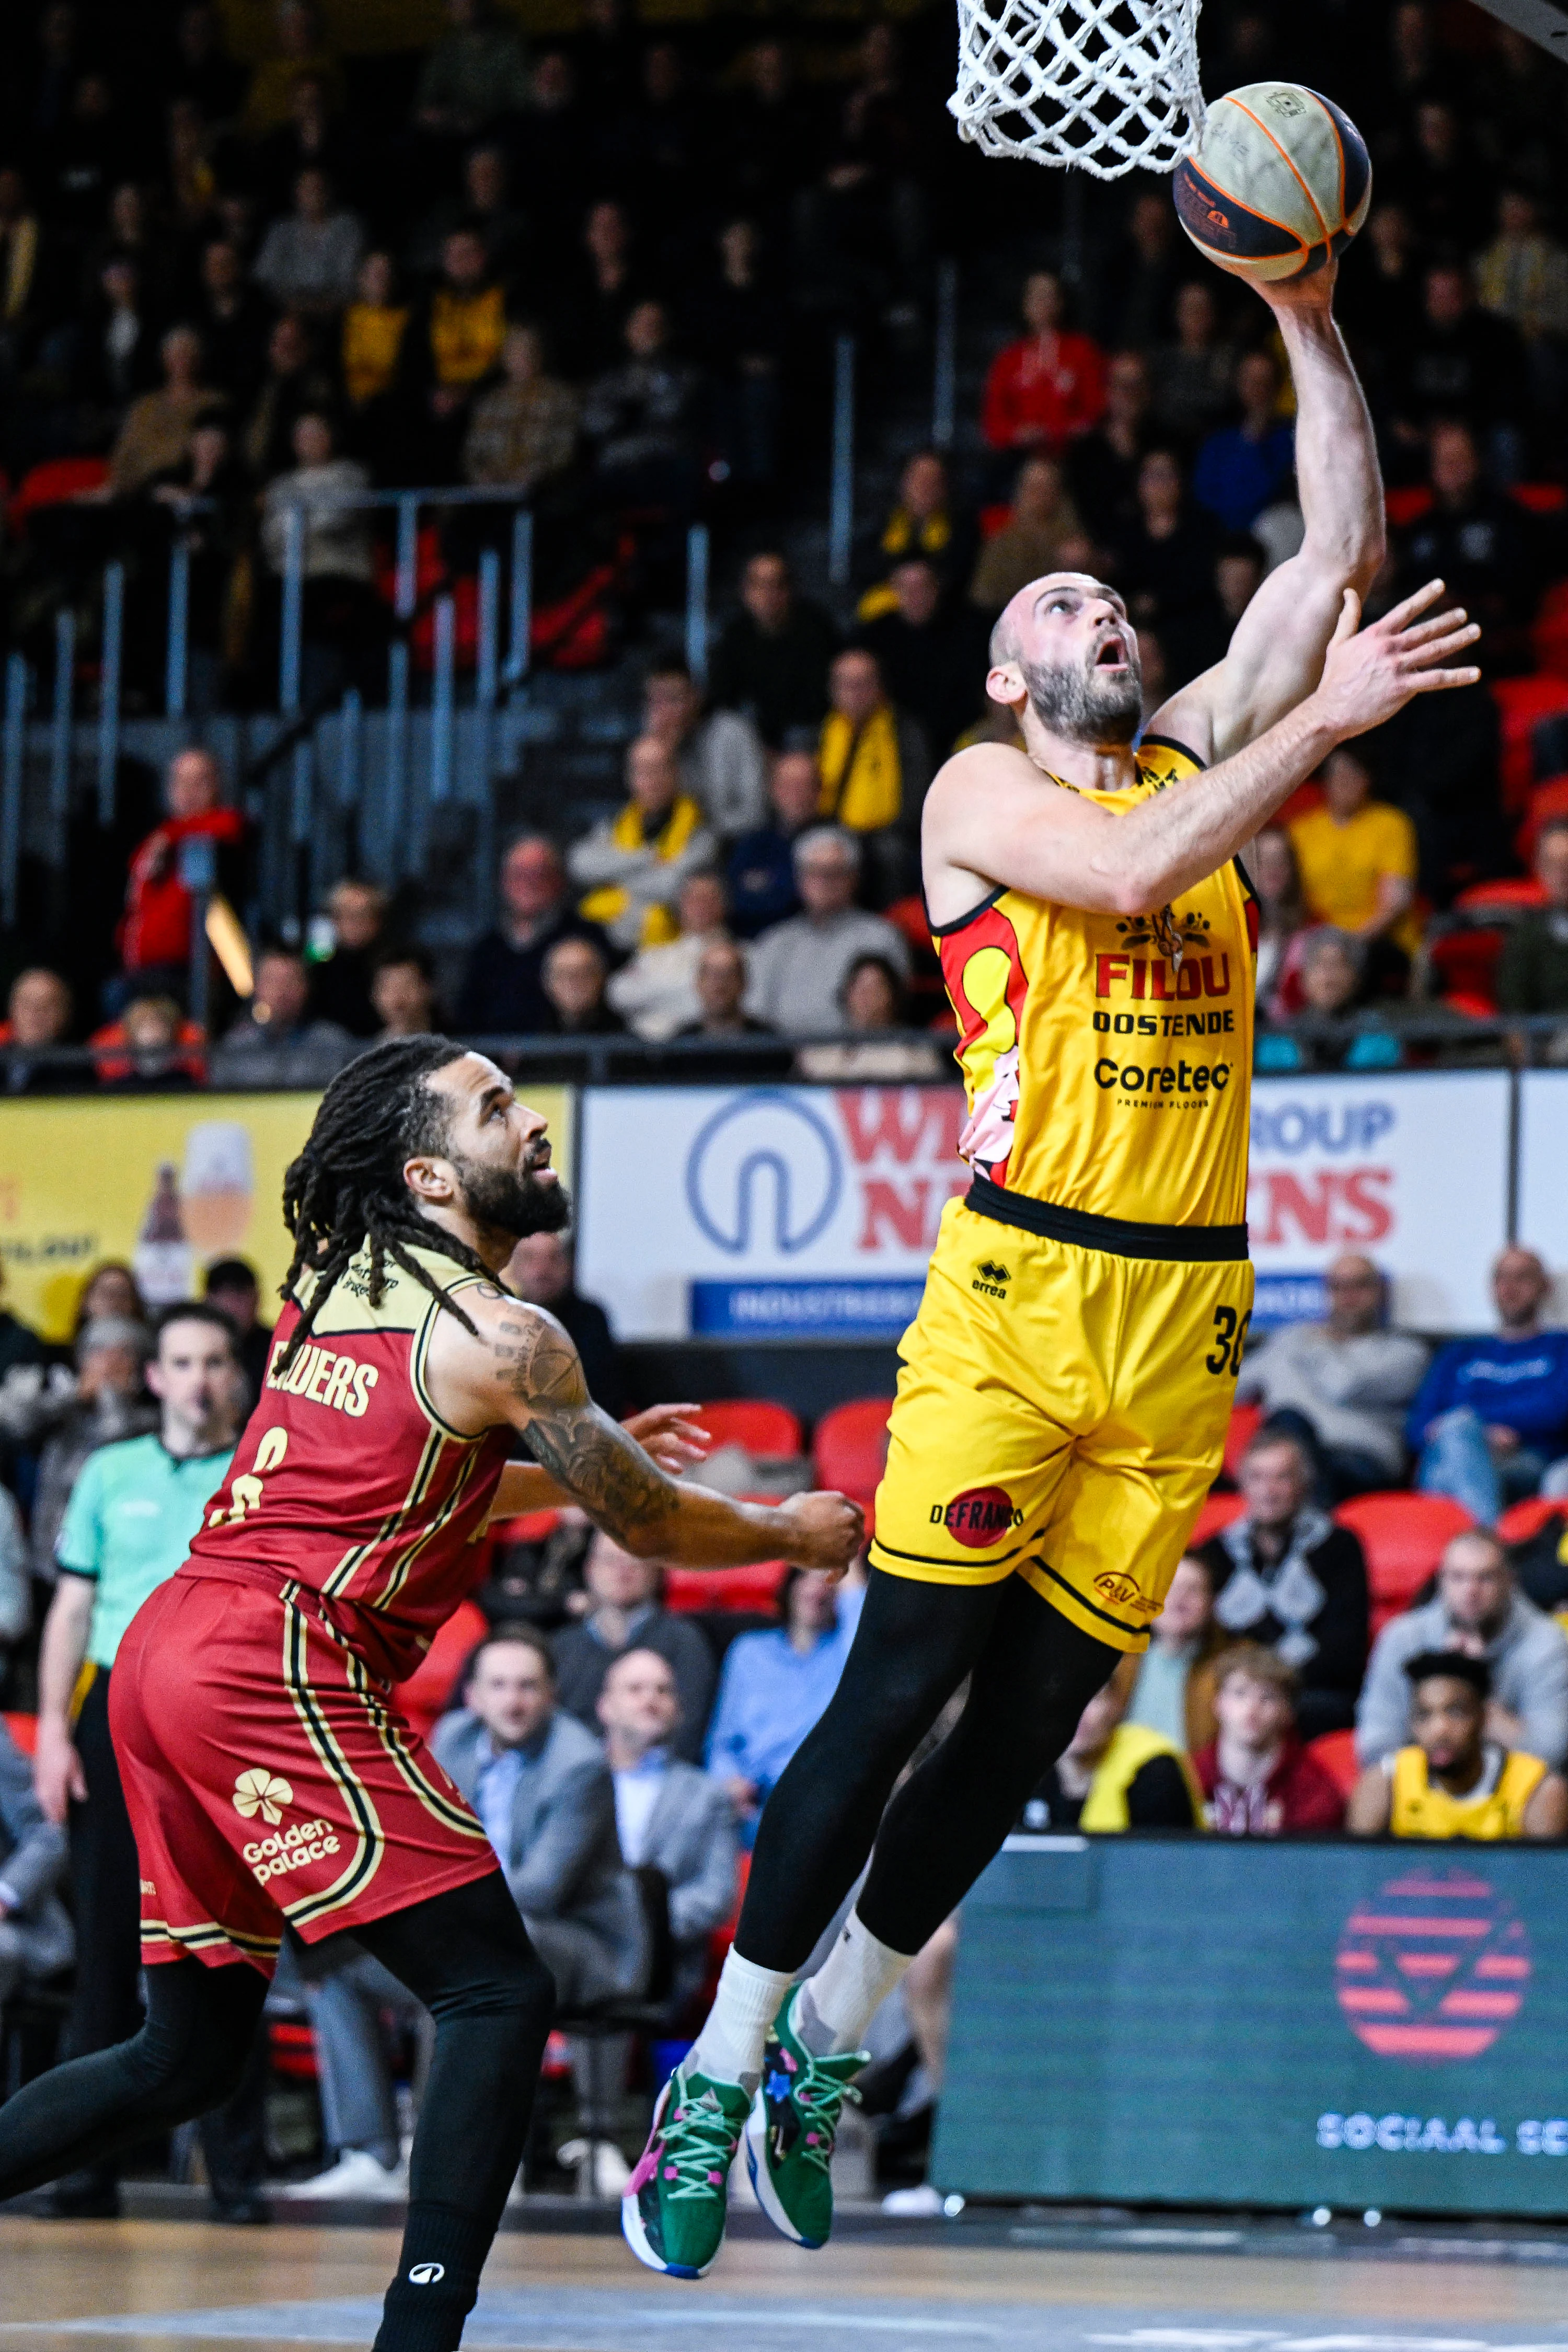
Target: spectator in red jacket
[1048, 386]
[1256, 1778]
[155, 934]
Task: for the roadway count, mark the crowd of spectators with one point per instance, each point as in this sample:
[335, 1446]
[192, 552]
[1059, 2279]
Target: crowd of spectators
[595, 270]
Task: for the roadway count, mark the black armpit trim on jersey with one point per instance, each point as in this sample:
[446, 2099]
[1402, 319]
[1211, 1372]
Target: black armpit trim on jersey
[945, 930]
[1169, 743]
[1118, 1236]
[1246, 881]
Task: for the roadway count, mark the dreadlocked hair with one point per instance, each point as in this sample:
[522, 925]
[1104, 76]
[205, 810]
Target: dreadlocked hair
[346, 1187]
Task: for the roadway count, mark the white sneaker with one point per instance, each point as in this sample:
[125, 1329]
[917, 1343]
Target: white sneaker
[915, 2204]
[611, 2171]
[356, 2173]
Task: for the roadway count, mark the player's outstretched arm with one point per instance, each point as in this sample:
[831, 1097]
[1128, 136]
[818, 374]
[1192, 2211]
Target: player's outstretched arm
[665, 1431]
[1277, 648]
[991, 813]
[523, 1368]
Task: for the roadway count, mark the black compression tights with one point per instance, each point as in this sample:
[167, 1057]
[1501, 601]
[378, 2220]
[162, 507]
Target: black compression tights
[1031, 1674]
[466, 1956]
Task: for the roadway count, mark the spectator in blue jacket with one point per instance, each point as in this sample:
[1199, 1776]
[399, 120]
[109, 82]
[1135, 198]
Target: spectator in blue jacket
[1491, 1420]
[772, 1688]
[1244, 467]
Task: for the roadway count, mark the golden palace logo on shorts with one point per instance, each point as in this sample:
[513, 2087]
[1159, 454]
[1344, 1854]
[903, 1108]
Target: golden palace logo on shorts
[261, 1791]
[292, 1849]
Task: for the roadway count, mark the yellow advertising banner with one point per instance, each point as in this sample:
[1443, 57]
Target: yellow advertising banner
[166, 1182]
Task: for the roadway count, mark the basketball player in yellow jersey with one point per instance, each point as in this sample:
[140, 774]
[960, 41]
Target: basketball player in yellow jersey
[1067, 1384]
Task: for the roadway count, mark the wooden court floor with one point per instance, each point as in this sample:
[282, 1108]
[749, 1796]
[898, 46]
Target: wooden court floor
[186, 2286]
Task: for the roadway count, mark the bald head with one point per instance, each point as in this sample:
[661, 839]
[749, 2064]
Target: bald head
[1063, 646]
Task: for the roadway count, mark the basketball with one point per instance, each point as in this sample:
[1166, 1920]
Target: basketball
[1280, 182]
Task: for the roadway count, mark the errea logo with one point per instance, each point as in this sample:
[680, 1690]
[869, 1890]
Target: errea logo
[261, 1791]
[992, 1278]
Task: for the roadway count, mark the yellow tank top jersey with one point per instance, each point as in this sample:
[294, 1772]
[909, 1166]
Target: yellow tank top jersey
[1105, 1074]
[1421, 1810]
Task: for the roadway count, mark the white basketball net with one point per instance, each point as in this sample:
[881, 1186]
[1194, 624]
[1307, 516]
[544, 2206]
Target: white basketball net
[1111, 86]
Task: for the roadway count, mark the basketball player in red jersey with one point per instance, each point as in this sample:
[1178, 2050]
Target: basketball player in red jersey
[267, 1773]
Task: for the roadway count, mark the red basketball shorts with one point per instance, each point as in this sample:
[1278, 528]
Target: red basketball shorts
[269, 1778]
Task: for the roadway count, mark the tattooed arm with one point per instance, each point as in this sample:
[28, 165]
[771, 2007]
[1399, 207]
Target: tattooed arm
[665, 1431]
[522, 1368]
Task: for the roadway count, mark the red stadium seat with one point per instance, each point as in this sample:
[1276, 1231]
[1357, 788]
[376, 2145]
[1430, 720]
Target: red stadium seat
[55, 483]
[756, 1587]
[1548, 805]
[1244, 1422]
[753, 1422]
[1522, 703]
[1514, 894]
[24, 1730]
[1217, 1513]
[427, 1692]
[1550, 634]
[529, 1527]
[1403, 1537]
[1522, 1520]
[850, 1447]
[1466, 962]
[1406, 505]
[1335, 1751]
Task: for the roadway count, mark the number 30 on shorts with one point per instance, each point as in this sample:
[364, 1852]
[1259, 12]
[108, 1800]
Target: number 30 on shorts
[1230, 1339]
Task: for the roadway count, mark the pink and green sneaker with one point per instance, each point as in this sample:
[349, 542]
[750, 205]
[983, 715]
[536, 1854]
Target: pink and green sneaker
[674, 2207]
[792, 2128]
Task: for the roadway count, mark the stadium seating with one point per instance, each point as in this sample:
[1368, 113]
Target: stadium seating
[1244, 1422]
[1403, 1537]
[430, 1690]
[1217, 1513]
[1522, 1520]
[1522, 703]
[751, 1422]
[754, 1588]
[1335, 1751]
[850, 1447]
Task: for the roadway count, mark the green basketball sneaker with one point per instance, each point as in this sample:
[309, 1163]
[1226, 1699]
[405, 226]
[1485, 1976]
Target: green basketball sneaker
[674, 2207]
[792, 2127]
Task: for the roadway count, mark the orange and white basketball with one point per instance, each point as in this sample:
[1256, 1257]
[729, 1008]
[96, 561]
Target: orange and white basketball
[1280, 182]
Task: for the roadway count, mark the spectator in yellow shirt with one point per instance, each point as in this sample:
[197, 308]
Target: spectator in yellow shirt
[1358, 862]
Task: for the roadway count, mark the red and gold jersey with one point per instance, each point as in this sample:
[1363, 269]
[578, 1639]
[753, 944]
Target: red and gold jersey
[1103, 1073]
[348, 1482]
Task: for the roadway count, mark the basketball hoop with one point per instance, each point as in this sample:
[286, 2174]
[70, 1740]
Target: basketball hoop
[1108, 86]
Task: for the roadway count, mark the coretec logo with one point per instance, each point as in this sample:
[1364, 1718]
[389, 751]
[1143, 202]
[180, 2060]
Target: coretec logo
[426, 2274]
[979, 1517]
[1432, 1966]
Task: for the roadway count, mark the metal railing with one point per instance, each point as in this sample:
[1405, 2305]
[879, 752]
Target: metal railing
[406, 762]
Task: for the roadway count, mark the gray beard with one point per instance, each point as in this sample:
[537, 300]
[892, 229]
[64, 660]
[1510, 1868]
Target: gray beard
[1087, 706]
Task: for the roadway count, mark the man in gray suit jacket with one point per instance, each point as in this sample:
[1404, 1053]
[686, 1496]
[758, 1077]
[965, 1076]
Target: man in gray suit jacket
[36, 1937]
[539, 1783]
[669, 1814]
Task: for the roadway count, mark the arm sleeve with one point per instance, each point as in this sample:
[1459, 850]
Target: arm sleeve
[1383, 1714]
[36, 1861]
[1158, 1797]
[1434, 1397]
[729, 1745]
[1340, 1629]
[581, 1818]
[704, 1901]
[1543, 1706]
[78, 1545]
[15, 1589]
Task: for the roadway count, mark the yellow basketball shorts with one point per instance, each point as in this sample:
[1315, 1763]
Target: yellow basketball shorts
[1061, 1415]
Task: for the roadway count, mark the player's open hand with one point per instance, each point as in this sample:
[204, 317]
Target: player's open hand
[1369, 674]
[825, 1530]
[669, 1433]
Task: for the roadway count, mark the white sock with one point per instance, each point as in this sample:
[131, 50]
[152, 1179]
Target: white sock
[840, 2001]
[730, 2047]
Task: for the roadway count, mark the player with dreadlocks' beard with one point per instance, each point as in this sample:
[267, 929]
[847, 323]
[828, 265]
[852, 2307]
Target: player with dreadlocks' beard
[267, 1772]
